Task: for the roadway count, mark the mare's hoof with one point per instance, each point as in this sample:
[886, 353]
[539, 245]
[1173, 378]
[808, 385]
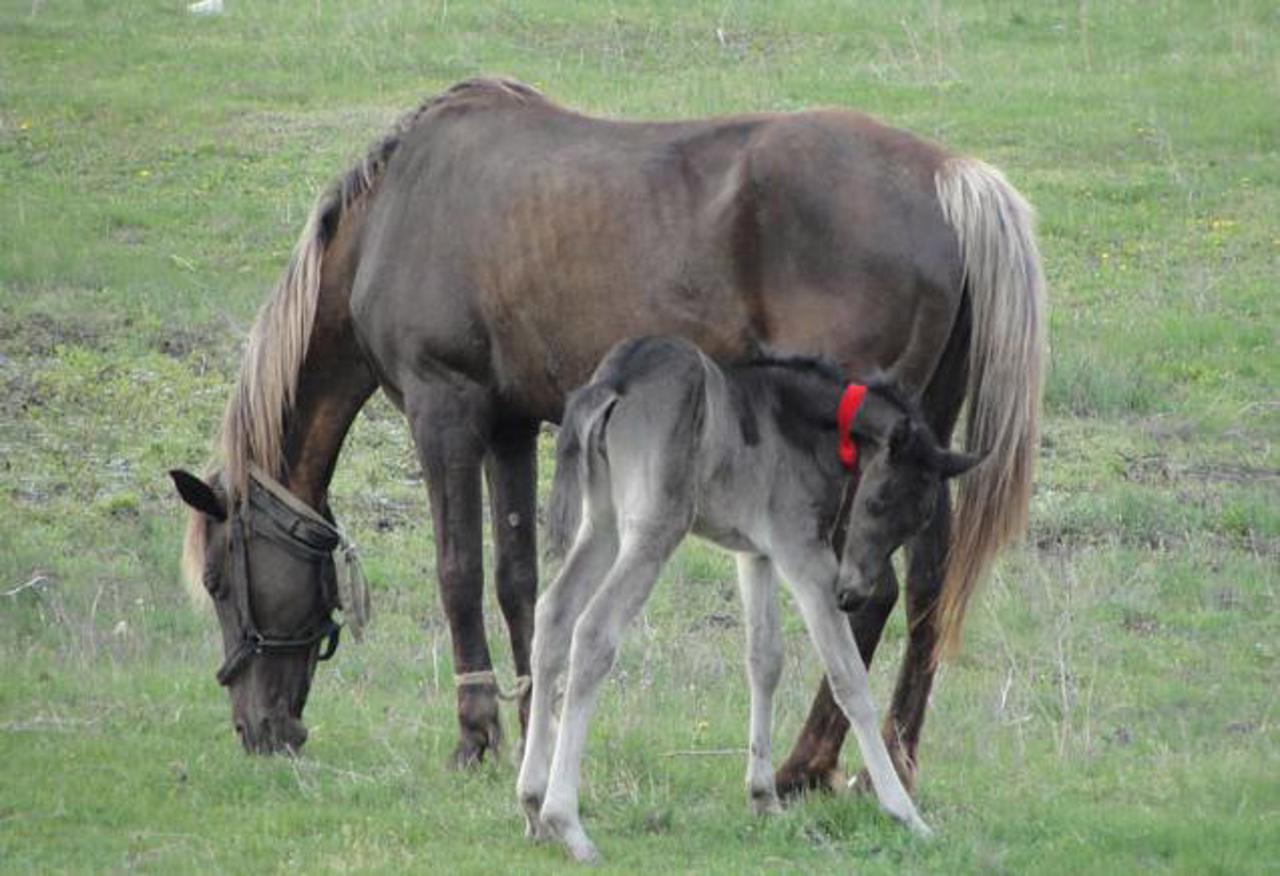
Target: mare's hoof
[792, 781]
[479, 728]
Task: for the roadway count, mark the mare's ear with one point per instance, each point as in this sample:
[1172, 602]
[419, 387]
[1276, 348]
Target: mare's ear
[951, 464]
[198, 494]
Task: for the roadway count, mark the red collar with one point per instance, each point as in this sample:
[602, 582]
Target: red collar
[854, 393]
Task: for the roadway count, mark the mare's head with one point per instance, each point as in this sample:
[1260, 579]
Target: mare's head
[902, 478]
[267, 564]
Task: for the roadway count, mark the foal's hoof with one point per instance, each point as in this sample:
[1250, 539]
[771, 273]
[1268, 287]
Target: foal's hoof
[571, 835]
[906, 771]
[765, 803]
[479, 729]
[533, 827]
[921, 830]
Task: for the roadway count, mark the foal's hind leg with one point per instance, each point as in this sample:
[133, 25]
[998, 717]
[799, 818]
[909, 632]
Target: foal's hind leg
[812, 575]
[450, 424]
[511, 472]
[595, 646]
[589, 559]
[759, 589]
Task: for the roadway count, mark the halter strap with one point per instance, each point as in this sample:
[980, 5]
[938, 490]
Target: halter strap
[353, 588]
[290, 523]
[850, 402]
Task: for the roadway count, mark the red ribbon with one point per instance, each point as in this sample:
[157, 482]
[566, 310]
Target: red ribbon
[854, 393]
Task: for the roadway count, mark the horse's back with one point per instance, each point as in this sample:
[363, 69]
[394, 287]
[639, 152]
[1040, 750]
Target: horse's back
[515, 241]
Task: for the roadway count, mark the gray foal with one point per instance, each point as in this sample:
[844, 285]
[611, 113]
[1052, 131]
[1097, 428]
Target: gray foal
[664, 441]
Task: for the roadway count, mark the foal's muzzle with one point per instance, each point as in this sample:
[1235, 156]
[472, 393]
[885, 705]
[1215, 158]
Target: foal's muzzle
[850, 600]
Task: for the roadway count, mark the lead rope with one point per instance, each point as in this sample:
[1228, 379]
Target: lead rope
[353, 587]
[487, 676]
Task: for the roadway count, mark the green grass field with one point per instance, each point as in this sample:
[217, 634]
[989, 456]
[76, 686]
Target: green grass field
[1115, 709]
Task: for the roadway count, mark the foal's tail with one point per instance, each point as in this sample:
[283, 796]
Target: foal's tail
[579, 445]
[1006, 290]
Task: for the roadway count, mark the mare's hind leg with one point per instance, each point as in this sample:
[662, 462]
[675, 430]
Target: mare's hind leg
[811, 572]
[759, 588]
[596, 637]
[450, 424]
[814, 762]
[511, 473]
[589, 559]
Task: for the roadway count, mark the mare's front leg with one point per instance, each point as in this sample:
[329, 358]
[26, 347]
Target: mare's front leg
[511, 472]
[450, 422]
[811, 572]
[759, 588]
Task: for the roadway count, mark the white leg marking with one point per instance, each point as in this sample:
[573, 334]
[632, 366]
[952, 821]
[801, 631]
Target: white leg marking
[558, 610]
[812, 579]
[759, 589]
[595, 644]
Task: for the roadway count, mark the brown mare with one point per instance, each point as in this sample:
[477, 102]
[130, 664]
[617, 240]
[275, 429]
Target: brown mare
[483, 257]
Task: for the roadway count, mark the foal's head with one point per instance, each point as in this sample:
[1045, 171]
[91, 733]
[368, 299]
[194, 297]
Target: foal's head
[270, 573]
[901, 482]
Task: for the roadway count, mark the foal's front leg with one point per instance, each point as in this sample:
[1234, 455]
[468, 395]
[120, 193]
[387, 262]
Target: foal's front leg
[812, 575]
[759, 588]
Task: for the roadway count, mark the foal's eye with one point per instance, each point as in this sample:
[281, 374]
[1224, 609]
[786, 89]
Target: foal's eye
[212, 577]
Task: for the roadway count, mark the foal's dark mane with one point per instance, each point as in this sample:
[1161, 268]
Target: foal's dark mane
[803, 393]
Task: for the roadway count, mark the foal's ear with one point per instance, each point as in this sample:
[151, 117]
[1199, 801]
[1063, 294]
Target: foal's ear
[900, 438]
[198, 494]
[950, 464]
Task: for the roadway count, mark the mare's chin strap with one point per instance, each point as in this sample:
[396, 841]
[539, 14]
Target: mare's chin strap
[850, 402]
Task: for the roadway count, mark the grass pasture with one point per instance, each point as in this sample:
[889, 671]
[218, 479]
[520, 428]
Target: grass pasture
[1115, 709]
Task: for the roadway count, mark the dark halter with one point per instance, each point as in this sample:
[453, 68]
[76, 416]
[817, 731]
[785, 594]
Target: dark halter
[271, 516]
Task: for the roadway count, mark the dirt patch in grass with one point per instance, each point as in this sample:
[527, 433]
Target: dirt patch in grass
[39, 334]
[180, 342]
[1159, 469]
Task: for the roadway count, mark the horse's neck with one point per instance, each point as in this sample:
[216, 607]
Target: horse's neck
[335, 382]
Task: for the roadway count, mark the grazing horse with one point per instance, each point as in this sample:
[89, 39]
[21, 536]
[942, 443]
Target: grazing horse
[663, 442]
[483, 257]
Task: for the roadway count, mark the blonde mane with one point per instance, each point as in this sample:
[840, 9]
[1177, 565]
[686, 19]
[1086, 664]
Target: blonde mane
[254, 424]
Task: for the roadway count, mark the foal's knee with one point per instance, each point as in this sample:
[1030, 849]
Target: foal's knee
[593, 651]
[764, 662]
